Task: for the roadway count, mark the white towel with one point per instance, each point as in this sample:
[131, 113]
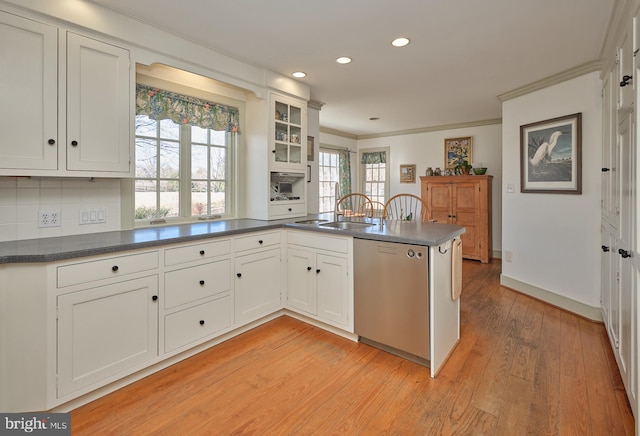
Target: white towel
[456, 269]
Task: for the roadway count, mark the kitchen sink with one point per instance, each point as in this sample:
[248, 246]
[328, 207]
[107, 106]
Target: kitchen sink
[311, 221]
[347, 225]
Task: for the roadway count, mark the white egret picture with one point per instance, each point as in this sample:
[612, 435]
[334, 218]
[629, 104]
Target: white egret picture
[551, 155]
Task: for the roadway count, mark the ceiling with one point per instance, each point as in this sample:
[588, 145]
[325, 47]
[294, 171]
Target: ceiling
[462, 55]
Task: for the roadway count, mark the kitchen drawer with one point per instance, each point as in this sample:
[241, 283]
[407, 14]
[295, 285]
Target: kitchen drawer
[112, 267]
[193, 252]
[284, 210]
[197, 282]
[257, 240]
[319, 241]
[189, 325]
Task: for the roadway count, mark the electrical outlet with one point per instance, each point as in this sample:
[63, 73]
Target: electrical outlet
[49, 218]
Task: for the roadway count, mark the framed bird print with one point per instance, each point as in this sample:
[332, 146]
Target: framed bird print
[551, 155]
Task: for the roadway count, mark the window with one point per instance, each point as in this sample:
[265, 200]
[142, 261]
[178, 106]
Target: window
[183, 169]
[374, 174]
[328, 177]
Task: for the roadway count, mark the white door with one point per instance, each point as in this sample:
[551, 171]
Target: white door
[29, 94]
[98, 106]
[257, 285]
[301, 280]
[105, 333]
[332, 288]
[626, 248]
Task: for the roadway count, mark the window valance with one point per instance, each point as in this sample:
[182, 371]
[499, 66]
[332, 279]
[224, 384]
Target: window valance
[374, 157]
[159, 104]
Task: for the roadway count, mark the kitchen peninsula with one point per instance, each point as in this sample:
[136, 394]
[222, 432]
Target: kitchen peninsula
[67, 303]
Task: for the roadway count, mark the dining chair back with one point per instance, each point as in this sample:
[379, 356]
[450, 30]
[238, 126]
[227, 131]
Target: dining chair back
[407, 207]
[354, 205]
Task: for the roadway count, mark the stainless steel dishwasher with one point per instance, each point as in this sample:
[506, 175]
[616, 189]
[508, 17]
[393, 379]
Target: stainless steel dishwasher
[391, 299]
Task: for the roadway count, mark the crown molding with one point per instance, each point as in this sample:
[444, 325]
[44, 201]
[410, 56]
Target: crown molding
[338, 133]
[563, 76]
[432, 129]
[315, 104]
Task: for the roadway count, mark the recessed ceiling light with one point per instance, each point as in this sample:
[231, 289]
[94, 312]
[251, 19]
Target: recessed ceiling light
[400, 42]
[299, 74]
[343, 60]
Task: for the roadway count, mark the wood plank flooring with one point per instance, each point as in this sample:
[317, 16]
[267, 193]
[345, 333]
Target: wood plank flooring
[521, 367]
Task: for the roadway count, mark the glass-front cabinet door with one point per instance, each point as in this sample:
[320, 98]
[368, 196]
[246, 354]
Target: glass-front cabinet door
[289, 133]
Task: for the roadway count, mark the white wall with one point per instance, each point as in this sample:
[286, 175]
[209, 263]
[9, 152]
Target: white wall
[554, 238]
[427, 150]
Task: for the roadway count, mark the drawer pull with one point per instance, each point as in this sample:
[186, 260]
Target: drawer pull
[202, 282]
[74, 143]
[308, 268]
[114, 268]
[154, 298]
[51, 141]
[260, 241]
[201, 252]
[317, 271]
[239, 275]
[202, 322]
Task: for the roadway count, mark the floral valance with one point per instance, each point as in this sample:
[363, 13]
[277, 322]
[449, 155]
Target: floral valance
[374, 157]
[159, 104]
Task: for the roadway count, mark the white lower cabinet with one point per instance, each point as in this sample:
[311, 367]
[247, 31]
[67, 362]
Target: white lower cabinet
[96, 320]
[320, 279]
[198, 294]
[206, 319]
[257, 285]
[105, 333]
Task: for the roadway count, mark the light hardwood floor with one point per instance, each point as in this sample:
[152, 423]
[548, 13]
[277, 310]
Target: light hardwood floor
[521, 367]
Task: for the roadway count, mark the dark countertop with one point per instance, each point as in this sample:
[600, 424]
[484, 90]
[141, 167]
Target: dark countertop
[68, 247]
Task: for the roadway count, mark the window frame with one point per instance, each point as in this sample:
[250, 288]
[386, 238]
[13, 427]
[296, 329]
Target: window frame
[333, 151]
[362, 171]
[219, 94]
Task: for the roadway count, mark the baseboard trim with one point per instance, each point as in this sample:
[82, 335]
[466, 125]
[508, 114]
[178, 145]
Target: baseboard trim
[584, 310]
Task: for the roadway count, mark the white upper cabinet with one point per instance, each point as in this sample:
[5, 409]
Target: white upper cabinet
[98, 97]
[70, 103]
[288, 148]
[29, 92]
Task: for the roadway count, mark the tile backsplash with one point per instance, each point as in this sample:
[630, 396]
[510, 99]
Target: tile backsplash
[21, 198]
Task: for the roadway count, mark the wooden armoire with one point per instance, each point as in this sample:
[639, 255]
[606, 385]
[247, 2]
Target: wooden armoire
[465, 201]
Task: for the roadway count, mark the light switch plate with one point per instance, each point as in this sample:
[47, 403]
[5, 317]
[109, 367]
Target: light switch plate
[94, 215]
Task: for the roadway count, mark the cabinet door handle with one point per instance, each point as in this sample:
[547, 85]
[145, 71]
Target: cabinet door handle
[201, 252]
[604, 170]
[624, 253]
[51, 141]
[239, 275]
[317, 271]
[202, 322]
[74, 143]
[154, 298]
[308, 268]
[202, 282]
[289, 209]
[625, 80]
[273, 151]
[260, 241]
[605, 248]
[114, 268]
